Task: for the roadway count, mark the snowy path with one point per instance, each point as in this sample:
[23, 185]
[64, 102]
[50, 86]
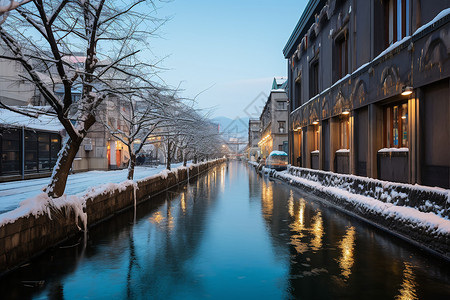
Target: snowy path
[12, 193]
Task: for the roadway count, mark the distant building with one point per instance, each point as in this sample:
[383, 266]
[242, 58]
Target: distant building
[254, 135]
[369, 89]
[274, 122]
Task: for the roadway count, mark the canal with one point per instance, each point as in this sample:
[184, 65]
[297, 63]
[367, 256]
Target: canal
[232, 235]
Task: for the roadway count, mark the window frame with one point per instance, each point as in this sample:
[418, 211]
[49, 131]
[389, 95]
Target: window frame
[395, 117]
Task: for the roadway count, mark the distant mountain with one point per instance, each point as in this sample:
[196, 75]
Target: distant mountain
[233, 128]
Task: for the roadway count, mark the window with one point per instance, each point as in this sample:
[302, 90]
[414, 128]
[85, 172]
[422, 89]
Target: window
[396, 16]
[314, 78]
[280, 147]
[396, 126]
[298, 94]
[44, 151]
[10, 143]
[316, 137]
[31, 152]
[341, 57]
[281, 105]
[281, 126]
[344, 129]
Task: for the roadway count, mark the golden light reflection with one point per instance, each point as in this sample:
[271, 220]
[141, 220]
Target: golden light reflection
[317, 231]
[298, 226]
[222, 179]
[291, 204]
[408, 288]
[347, 246]
[170, 219]
[183, 203]
[156, 218]
[267, 200]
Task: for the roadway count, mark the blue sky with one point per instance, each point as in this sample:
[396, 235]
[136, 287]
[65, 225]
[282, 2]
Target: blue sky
[232, 49]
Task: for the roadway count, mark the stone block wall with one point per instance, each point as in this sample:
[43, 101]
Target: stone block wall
[31, 235]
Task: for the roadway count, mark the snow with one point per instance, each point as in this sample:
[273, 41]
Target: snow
[315, 151]
[280, 80]
[431, 222]
[278, 153]
[343, 151]
[42, 122]
[442, 14]
[13, 193]
[38, 203]
[393, 150]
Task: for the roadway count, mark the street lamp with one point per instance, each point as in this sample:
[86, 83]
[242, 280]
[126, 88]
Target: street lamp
[407, 90]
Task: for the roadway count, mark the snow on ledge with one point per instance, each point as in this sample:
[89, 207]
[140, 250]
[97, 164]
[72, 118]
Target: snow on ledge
[439, 16]
[343, 151]
[393, 150]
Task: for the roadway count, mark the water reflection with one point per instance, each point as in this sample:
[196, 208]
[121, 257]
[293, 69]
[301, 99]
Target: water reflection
[317, 231]
[347, 245]
[298, 226]
[254, 239]
[408, 287]
[267, 200]
[183, 202]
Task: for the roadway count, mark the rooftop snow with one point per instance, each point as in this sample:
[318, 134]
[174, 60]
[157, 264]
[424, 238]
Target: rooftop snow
[41, 122]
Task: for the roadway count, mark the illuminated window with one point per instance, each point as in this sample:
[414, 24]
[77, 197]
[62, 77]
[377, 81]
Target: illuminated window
[396, 126]
[344, 130]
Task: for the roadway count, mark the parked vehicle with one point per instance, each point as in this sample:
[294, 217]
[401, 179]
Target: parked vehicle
[277, 160]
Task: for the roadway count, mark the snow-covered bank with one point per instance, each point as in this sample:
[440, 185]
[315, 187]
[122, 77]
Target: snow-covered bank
[81, 187]
[41, 222]
[13, 193]
[417, 213]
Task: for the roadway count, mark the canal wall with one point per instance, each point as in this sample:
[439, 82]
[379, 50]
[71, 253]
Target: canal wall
[418, 214]
[41, 223]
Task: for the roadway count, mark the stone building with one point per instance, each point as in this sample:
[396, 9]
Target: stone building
[274, 122]
[368, 85]
[254, 135]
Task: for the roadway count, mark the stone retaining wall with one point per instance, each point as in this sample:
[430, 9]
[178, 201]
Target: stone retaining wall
[31, 235]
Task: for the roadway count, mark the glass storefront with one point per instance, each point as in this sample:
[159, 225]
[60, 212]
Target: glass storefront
[38, 150]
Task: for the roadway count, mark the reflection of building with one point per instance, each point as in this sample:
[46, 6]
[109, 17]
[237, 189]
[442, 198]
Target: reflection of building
[273, 122]
[369, 89]
[28, 146]
[254, 135]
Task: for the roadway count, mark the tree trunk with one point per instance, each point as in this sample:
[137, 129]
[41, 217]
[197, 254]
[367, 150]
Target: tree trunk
[184, 158]
[131, 165]
[168, 156]
[62, 168]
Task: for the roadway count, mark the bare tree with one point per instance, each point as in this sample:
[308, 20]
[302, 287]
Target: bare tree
[77, 44]
[6, 6]
[143, 115]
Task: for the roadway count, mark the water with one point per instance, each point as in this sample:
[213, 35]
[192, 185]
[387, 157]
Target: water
[232, 235]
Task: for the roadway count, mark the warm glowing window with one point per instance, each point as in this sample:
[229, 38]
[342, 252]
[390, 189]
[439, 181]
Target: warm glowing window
[396, 126]
[344, 130]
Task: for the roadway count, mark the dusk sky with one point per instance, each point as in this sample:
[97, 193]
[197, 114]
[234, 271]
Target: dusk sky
[232, 49]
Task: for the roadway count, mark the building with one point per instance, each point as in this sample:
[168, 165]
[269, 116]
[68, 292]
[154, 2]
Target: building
[368, 84]
[254, 135]
[273, 122]
[28, 146]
